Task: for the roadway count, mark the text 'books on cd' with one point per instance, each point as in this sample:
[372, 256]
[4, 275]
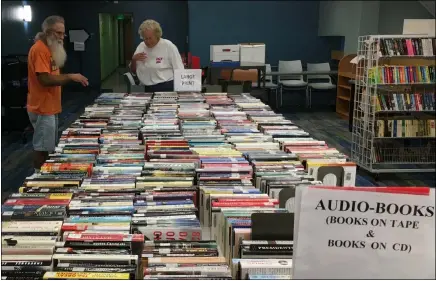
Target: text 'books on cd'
[163, 186]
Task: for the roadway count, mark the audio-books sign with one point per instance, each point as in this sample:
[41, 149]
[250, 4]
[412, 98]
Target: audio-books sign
[355, 233]
[187, 80]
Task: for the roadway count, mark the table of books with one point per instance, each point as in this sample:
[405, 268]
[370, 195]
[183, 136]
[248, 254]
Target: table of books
[160, 186]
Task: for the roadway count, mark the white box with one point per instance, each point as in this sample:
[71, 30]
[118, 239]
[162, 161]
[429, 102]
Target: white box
[419, 27]
[252, 53]
[224, 53]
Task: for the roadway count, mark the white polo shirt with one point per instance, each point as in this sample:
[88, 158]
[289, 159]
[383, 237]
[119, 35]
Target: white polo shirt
[160, 63]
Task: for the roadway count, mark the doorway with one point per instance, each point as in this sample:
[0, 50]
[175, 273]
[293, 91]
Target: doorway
[116, 43]
[125, 29]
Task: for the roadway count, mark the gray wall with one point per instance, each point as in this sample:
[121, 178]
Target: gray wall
[393, 13]
[369, 18]
[341, 18]
[357, 18]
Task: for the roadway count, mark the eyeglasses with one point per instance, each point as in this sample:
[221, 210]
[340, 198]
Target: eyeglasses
[59, 33]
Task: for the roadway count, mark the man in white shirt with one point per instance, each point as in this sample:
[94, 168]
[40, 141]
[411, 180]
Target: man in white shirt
[155, 59]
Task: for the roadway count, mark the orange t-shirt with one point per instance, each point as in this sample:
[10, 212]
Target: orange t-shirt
[40, 99]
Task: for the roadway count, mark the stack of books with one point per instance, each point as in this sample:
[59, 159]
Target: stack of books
[134, 179]
[97, 255]
[181, 260]
[27, 248]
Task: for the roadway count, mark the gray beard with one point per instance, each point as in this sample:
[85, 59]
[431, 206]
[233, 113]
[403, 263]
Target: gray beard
[58, 52]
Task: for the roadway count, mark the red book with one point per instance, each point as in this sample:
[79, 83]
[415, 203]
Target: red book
[416, 101]
[399, 190]
[254, 200]
[244, 204]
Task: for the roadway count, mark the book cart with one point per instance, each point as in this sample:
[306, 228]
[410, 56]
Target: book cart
[394, 107]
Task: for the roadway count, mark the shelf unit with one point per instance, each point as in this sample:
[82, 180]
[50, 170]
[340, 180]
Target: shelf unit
[344, 97]
[394, 104]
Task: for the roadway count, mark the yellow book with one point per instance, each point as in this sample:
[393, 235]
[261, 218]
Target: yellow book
[86, 275]
[418, 69]
[408, 98]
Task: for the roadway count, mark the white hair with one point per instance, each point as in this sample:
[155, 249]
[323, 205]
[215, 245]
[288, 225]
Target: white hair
[56, 47]
[47, 24]
[150, 25]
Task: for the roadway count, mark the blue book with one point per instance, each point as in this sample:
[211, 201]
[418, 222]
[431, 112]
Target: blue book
[82, 219]
[162, 203]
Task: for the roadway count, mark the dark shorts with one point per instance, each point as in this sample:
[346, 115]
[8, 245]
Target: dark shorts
[161, 87]
[45, 133]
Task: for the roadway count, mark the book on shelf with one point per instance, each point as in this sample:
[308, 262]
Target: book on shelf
[407, 46]
[405, 101]
[397, 128]
[402, 74]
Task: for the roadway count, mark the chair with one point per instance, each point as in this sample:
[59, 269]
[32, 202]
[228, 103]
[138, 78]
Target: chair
[225, 74]
[212, 89]
[269, 84]
[291, 82]
[319, 81]
[241, 81]
[132, 83]
[235, 87]
[244, 75]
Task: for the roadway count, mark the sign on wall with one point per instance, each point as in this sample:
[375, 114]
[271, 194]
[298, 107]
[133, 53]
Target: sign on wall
[187, 80]
[364, 233]
[78, 37]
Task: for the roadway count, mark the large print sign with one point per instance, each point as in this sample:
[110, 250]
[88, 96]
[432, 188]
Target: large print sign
[349, 233]
[187, 80]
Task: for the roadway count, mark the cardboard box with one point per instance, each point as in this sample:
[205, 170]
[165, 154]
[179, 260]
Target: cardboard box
[252, 53]
[219, 53]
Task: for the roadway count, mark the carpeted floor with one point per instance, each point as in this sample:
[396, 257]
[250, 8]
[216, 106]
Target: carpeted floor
[17, 164]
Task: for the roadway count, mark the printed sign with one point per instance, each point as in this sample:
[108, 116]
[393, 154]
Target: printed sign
[79, 46]
[187, 80]
[364, 233]
[78, 35]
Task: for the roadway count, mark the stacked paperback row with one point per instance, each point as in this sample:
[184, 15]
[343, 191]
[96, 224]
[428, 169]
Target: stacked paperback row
[402, 75]
[407, 46]
[406, 100]
[229, 211]
[132, 181]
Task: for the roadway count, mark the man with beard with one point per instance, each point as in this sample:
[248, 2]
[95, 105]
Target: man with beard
[46, 57]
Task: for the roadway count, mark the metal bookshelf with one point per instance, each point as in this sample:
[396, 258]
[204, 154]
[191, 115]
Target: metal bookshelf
[390, 154]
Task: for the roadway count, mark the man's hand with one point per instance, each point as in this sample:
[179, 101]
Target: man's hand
[79, 78]
[139, 57]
